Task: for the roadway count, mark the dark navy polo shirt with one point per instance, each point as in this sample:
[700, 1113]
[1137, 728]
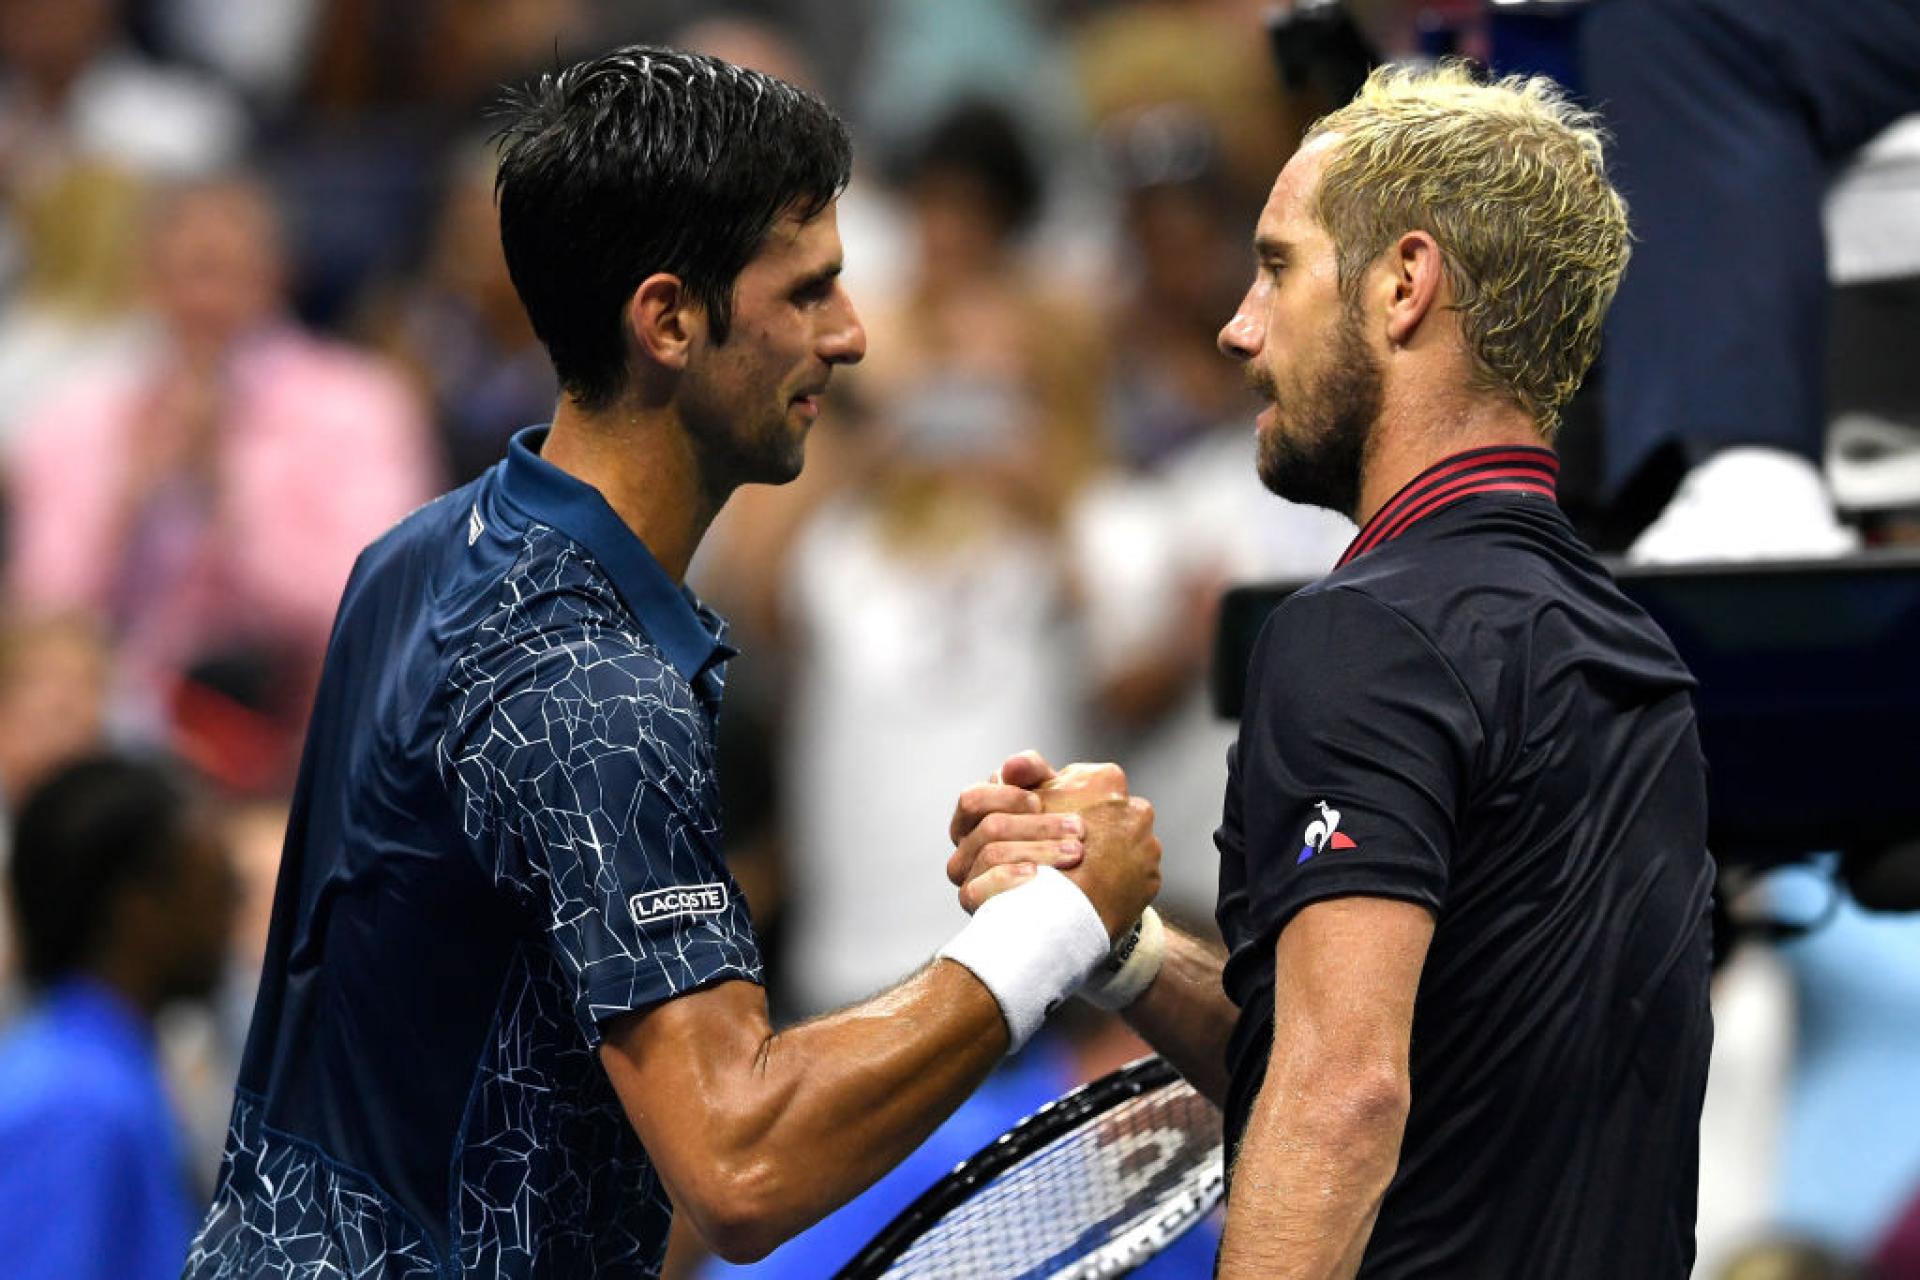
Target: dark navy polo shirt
[1469, 715]
[506, 831]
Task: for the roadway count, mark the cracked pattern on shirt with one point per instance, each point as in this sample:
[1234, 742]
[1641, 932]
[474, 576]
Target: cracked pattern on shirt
[583, 770]
[551, 1179]
[285, 1210]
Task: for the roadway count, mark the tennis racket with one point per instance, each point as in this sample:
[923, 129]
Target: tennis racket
[1089, 1186]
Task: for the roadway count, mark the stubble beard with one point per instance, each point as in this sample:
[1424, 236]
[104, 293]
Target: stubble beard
[1317, 458]
[732, 453]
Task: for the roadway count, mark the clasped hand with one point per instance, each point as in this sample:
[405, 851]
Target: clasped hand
[1079, 820]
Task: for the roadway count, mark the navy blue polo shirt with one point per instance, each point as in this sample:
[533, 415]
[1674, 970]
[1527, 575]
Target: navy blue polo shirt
[1467, 714]
[505, 832]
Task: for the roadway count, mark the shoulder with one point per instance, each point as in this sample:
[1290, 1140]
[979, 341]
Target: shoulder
[556, 605]
[1337, 654]
[1344, 623]
[558, 646]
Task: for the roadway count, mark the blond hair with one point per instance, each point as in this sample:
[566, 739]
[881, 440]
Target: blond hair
[1510, 179]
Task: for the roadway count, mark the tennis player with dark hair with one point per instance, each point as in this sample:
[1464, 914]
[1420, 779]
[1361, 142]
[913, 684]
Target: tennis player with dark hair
[1463, 1027]
[511, 1014]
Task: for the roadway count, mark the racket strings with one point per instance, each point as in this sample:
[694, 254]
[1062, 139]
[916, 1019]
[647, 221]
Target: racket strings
[1085, 1190]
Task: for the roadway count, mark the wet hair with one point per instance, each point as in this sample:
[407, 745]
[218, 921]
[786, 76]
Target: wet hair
[1510, 179]
[650, 160]
[85, 835]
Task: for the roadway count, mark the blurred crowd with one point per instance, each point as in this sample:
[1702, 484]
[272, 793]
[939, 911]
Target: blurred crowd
[253, 310]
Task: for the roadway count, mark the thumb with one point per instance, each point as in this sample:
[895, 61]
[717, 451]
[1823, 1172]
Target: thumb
[1028, 769]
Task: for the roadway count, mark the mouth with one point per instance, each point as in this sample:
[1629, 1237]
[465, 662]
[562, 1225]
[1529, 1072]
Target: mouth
[809, 400]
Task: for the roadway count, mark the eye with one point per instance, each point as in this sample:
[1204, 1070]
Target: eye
[813, 292]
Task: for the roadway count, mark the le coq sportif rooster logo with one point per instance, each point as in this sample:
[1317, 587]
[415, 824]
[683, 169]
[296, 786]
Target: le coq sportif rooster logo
[1323, 833]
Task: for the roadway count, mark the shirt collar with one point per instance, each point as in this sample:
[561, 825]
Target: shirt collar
[1500, 469]
[690, 636]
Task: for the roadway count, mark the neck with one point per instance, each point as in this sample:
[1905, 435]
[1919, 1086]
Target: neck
[642, 462]
[1406, 441]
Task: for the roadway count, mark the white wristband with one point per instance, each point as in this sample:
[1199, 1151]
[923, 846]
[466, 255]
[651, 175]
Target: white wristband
[1132, 965]
[1031, 946]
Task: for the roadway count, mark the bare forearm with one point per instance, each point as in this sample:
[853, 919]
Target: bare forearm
[1316, 1161]
[1186, 1016]
[827, 1106]
[863, 1087]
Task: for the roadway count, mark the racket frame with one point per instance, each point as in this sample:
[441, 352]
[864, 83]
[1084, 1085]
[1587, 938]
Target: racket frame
[1038, 1131]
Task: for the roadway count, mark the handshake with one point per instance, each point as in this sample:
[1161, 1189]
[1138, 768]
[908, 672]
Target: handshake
[1058, 870]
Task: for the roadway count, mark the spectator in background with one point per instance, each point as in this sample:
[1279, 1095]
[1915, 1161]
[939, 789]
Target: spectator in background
[85, 126]
[53, 695]
[123, 898]
[1181, 258]
[980, 319]
[460, 329]
[209, 498]
[929, 606]
[70, 89]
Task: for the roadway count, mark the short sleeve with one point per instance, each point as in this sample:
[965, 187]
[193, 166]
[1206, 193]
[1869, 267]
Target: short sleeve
[1353, 764]
[586, 785]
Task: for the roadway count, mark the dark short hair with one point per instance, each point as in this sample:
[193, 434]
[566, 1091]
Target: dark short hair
[650, 160]
[84, 835]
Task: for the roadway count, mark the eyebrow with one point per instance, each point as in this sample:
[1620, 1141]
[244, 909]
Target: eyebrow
[1270, 247]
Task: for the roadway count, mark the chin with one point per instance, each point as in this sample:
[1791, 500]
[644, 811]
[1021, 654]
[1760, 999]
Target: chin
[1314, 477]
[781, 461]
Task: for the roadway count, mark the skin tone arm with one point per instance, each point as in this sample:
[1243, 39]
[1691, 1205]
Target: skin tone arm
[1324, 1137]
[758, 1134]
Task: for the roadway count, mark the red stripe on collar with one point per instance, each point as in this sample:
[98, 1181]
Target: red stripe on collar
[1501, 469]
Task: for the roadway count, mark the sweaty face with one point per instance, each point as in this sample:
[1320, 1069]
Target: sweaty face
[750, 401]
[1304, 350]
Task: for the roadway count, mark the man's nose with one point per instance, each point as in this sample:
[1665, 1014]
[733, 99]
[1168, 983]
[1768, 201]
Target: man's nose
[1242, 337]
[845, 342]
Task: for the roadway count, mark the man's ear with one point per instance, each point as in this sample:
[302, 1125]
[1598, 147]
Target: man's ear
[1419, 284]
[662, 320]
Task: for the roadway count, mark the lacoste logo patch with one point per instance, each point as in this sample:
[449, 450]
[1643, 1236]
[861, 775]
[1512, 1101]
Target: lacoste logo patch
[475, 525]
[680, 900]
[1323, 833]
